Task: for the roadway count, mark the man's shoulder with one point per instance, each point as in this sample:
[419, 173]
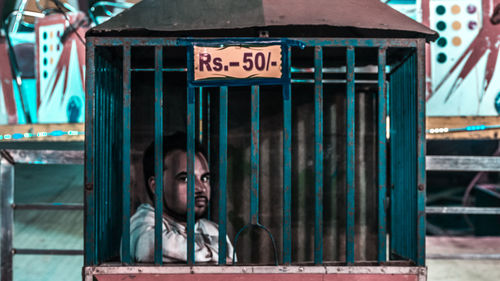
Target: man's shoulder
[144, 212]
[209, 226]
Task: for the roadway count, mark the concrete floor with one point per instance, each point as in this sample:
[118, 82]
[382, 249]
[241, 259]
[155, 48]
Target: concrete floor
[64, 230]
[476, 270]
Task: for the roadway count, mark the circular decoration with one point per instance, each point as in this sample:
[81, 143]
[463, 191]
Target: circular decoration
[456, 41]
[441, 25]
[455, 9]
[456, 25]
[44, 48]
[440, 10]
[44, 35]
[44, 61]
[497, 103]
[45, 74]
[441, 58]
[472, 25]
[442, 42]
[471, 9]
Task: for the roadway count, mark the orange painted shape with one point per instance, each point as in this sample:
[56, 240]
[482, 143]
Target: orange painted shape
[257, 277]
[456, 25]
[455, 9]
[456, 41]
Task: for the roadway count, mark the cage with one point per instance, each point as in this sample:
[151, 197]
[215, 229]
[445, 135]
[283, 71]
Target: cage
[312, 117]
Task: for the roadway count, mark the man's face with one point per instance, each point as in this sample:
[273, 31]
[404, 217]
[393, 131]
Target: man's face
[175, 184]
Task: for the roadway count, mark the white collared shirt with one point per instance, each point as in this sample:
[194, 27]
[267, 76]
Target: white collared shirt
[174, 238]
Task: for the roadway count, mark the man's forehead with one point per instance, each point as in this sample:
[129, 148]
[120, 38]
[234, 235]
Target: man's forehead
[178, 159]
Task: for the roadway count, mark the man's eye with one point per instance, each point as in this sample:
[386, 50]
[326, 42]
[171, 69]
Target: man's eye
[205, 178]
[182, 178]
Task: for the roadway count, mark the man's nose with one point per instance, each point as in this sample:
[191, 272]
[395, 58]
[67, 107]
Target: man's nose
[199, 185]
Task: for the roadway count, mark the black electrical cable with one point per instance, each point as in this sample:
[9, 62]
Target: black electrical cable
[70, 29]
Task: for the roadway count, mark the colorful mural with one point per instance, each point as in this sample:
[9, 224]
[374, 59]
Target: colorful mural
[461, 64]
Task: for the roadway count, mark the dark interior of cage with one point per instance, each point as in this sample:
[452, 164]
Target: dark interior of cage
[255, 246]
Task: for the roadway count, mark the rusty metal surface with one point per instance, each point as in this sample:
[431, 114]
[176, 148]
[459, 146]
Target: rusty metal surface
[351, 18]
[391, 268]
[337, 273]
[248, 277]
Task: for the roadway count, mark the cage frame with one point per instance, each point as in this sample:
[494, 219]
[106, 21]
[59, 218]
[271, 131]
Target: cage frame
[92, 260]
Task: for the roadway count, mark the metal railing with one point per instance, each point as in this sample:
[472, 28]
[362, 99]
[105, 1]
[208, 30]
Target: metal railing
[8, 160]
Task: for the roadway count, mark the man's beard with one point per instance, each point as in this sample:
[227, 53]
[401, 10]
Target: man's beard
[183, 217]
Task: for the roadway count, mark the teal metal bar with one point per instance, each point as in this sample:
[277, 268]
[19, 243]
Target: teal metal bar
[382, 157]
[209, 156]
[222, 174]
[200, 115]
[351, 160]
[306, 42]
[90, 214]
[126, 156]
[99, 165]
[318, 155]
[421, 152]
[287, 167]
[158, 254]
[254, 188]
[191, 137]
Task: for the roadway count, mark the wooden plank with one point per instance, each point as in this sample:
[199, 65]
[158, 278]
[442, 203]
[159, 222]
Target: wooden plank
[463, 122]
[34, 129]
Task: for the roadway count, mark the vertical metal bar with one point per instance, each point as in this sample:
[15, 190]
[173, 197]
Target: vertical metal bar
[126, 155]
[191, 137]
[98, 165]
[406, 157]
[318, 155]
[6, 201]
[382, 156]
[254, 189]
[287, 166]
[421, 151]
[351, 160]
[222, 174]
[200, 115]
[89, 217]
[107, 155]
[209, 156]
[158, 254]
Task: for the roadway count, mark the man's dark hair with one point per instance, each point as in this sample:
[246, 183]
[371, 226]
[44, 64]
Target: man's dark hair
[176, 141]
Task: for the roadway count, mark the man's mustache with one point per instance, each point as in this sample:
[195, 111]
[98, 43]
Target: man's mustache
[197, 197]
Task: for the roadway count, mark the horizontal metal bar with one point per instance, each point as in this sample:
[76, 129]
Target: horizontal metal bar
[463, 210]
[163, 69]
[232, 269]
[361, 69]
[463, 163]
[48, 206]
[325, 42]
[334, 81]
[464, 256]
[342, 69]
[22, 156]
[47, 252]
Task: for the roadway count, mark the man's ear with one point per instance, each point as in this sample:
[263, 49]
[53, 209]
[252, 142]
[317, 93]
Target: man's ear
[152, 184]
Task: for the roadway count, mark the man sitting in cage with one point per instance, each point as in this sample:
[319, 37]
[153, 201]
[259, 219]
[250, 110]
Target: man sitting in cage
[175, 208]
